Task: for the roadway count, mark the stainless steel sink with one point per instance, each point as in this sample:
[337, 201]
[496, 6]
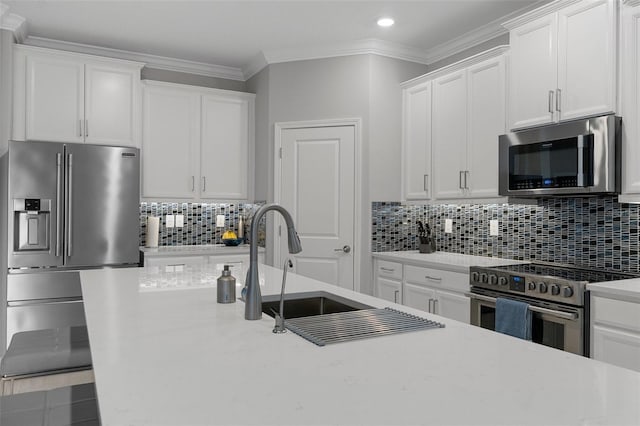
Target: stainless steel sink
[298, 305]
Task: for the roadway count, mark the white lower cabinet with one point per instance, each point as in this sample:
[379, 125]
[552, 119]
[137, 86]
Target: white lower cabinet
[615, 331]
[428, 289]
[169, 262]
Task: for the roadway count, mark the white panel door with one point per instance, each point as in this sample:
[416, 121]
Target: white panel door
[418, 297]
[631, 99]
[224, 155]
[170, 141]
[55, 100]
[318, 188]
[454, 306]
[485, 122]
[587, 59]
[533, 73]
[449, 137]
[111, 109]
[389, 290]
[417, 142]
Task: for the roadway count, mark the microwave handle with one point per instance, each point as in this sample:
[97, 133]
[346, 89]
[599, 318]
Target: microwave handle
[559, 314]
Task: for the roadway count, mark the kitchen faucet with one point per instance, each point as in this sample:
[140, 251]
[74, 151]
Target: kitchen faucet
[253, 298]
[279, 327]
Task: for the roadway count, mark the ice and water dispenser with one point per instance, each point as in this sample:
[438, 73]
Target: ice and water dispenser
[32, 222]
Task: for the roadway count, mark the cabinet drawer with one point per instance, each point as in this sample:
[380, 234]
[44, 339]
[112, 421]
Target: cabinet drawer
[616, 313]
[436, 278]
[389, 269]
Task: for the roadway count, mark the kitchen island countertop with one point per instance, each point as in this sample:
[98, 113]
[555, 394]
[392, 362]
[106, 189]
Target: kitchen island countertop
[176, 357]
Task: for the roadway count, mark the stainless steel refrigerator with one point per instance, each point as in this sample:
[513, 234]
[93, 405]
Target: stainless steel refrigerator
[68, 207]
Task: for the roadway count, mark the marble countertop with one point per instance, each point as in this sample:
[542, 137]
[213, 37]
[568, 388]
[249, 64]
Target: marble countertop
[443, 260]
[170, 355]
[204, 250]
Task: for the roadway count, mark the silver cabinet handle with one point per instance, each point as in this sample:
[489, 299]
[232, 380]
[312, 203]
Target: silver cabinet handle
[193, 183]
[80, 128]
[551, 101]
[395, 296]
[59, 214]
[460, 179]
[466, 177]
[69, 203]
[435, 306]
[433, 278]
[204, 183]
[344, 249]
[559, 314]
[86, 128]
[558, 100]
[429, 305]
[425, 183]
[387, 269]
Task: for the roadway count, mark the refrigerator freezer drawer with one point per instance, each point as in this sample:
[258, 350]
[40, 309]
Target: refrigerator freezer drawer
[42, 316]
[43, 285]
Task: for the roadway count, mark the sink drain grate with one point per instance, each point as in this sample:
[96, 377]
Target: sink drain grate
[363, 324]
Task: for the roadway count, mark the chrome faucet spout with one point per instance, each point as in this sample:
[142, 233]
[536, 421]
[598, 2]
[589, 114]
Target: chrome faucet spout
[253, 298]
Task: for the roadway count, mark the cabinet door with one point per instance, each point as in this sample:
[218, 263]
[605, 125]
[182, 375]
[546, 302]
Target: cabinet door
[54, 99]
[449, 136]
[631, 99]
[419, 297]
[616, 347]
[533, 73]
[170, 141]
[452, 305]
[417, 142]
[224, 149]
[174, 263]
[111, 105]
[587, 59]
[390, 290]
[486, 121]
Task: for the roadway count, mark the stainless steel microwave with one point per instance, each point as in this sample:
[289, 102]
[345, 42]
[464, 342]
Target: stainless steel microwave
[579, 157]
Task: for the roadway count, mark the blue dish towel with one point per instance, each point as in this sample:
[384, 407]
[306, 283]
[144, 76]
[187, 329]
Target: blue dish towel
[513, 318]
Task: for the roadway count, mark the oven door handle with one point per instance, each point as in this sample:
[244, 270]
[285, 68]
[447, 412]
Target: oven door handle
[565, 315]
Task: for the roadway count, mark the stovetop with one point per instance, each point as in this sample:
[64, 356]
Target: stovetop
[567, 273]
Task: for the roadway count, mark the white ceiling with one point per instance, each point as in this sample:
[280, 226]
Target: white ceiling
[235, 33]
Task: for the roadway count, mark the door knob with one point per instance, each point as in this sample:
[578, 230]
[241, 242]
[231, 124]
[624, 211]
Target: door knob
[345, 249]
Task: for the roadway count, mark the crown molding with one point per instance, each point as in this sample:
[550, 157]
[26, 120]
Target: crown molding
[151, 61]
[536, 13]
[12, 22]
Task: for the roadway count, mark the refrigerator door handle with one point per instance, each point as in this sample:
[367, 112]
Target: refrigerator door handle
[59, 216]
[68, 209]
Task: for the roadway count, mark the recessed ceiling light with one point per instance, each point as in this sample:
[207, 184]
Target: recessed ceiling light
[385, 22]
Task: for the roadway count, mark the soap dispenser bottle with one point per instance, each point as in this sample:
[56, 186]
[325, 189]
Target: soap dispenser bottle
[226, 287]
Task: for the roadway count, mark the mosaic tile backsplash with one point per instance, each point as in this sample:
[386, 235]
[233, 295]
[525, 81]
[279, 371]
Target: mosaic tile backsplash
[199, 222]
[593, 232]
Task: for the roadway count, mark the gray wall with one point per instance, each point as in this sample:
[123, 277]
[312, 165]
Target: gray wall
[6, 87]
[192, 79]
[358, 86]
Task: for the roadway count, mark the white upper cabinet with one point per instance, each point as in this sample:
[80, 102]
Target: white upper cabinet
[416, 181]
[563, 63]
[451, 122]
[197, 143]
[68, 97]
[450, 135]
[630, 95]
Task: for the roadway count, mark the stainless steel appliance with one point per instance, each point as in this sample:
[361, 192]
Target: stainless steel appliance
[580, 157]
[67, 207]
[557, 298]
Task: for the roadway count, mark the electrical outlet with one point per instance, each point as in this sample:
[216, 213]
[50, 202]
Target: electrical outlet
[179, 220]
[448, 226]
[170, 221]
[220, 221]
[494, 228]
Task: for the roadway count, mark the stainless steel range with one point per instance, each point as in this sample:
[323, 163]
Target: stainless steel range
[557, 298]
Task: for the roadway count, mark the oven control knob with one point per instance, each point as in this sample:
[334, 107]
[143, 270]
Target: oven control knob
[555, 290]
[532, 285]
[542, 287]
[567, 291]
[474, 277]
[493, 279]
[503, 281]
[483, 278]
